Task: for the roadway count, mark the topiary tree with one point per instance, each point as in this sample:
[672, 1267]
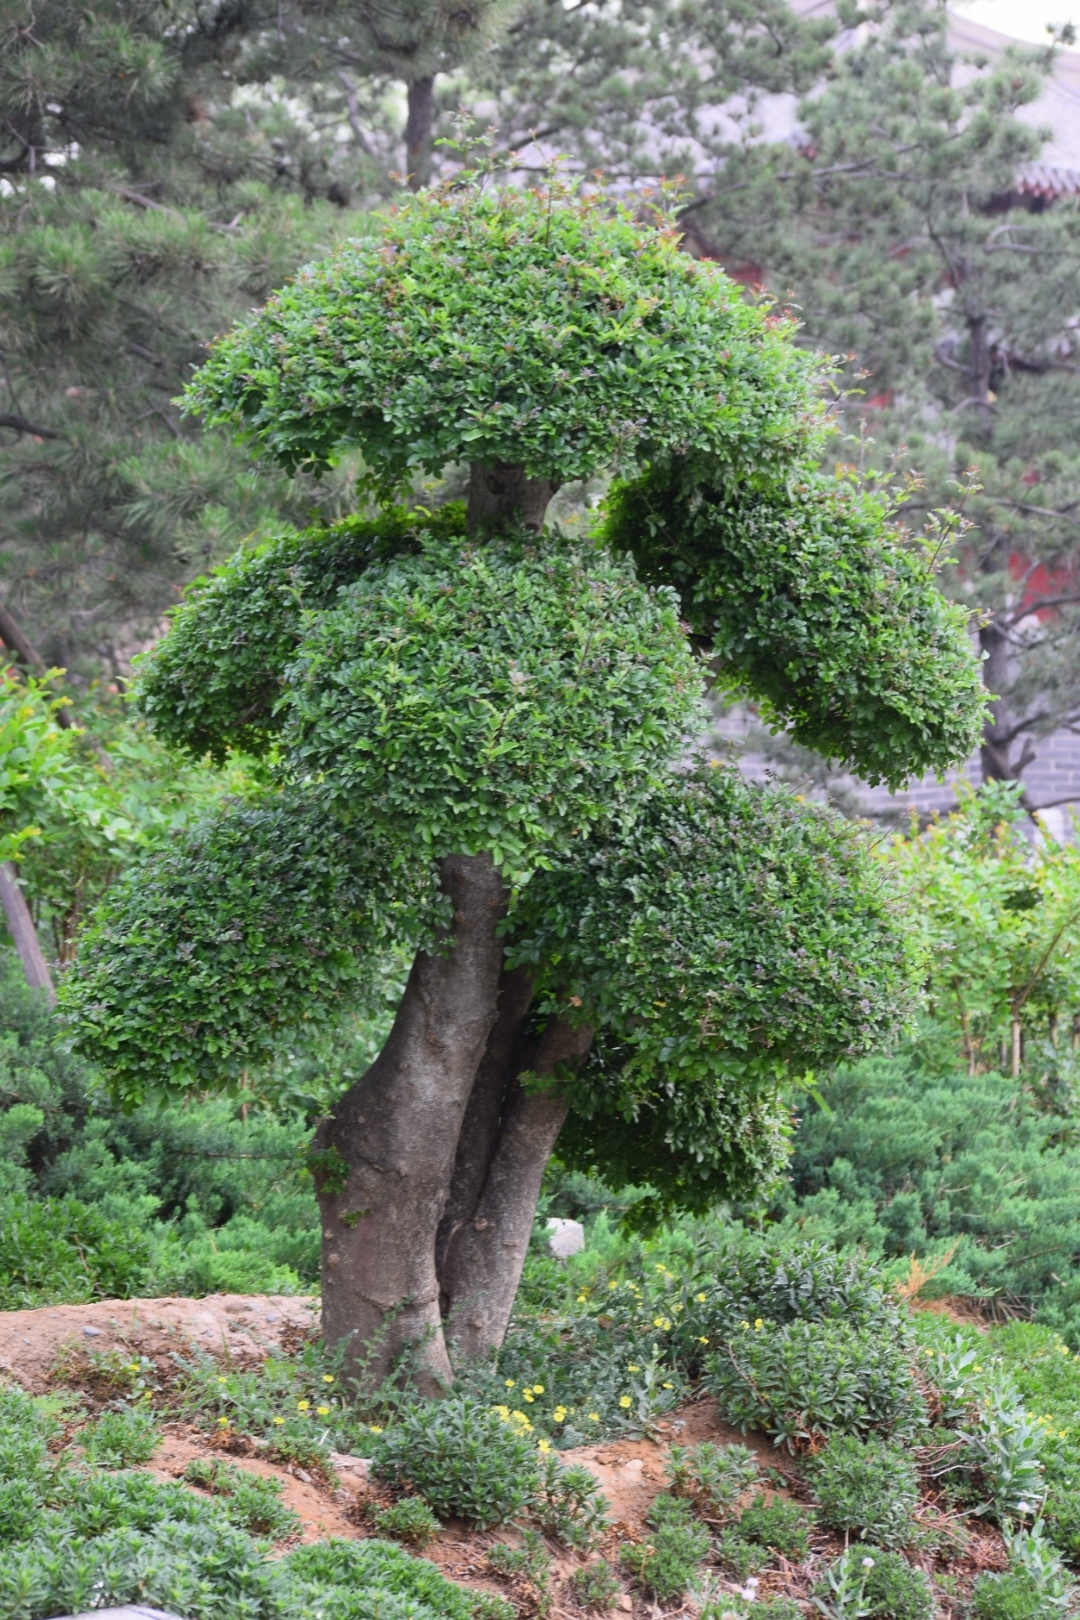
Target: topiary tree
[480, 738]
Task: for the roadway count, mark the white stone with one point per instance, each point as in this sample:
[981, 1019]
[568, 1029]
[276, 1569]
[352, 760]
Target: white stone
[567, 1237]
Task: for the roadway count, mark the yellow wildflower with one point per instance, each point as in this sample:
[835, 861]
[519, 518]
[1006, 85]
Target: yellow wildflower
[625, 1401]
[509, 1383]
[700, 1298]
[527, 1395]
[322, 1410]
[224, 1422]
[669, 1386]
[633, 1368]
[543, 1445]
[758, 1324]
[538, 1389]
[328, 1378]
[594, 1417]
[279, 1421]
[302, 1406]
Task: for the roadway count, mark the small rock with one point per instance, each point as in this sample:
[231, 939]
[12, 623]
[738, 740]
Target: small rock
[92, 1332]
[271, 1316]
[567, 1237]
[625, 1603]
[361, 1466]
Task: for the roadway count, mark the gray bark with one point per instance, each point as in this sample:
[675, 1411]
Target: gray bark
[418, 131]
[24, 934]
[505, 1055]
[485, 1254]
[396, 1131]
[499, 491]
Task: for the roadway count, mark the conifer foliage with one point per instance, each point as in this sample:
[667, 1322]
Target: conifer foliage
[495, 718]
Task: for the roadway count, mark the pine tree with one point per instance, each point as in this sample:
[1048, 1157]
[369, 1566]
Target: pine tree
[141, 212]
[480, 733]
[898, 229]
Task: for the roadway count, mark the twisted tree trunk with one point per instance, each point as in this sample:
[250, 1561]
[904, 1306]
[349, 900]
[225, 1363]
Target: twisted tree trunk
[383, 1160]
[429, 1168]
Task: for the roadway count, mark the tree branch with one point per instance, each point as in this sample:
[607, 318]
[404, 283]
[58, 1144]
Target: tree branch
[19, 424]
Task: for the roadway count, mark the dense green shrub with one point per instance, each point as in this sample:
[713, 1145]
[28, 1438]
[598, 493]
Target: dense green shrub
[896, 1591]
[743, 1558]
[409, 1520]
[464, 1459]
[1012, 1596]
[907, 1156]
[803, 1380]
[746, 1277]
[666, 1563]
[781, 1527]
[865, 1581]
[118, 1439]
[866, 1486]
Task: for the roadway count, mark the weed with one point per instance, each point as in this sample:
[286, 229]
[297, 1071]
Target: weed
[594, 1585]
[409, 1520]
[116, 1439]
[713, 1476]
[251, 1502]
[526, 1562]
[782, 1527]
[570, 1504]
[866, 1486]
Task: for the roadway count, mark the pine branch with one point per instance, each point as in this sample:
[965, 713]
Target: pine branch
[19, 424]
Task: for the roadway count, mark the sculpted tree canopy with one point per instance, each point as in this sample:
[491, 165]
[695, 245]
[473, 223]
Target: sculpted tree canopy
[479, 738]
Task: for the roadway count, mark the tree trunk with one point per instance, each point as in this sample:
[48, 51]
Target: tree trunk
[418, 130]
[995, 754]
[21, 926]
[979, 339]
[429, 1168]
[505, 1055]
[502, 491]
[482, 1264]
[383, 1160]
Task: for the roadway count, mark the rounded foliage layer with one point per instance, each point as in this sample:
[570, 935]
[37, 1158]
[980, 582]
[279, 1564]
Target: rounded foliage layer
[259, 921]
[551, 330]
[213, 681]
[816, 608]
[491, 697]
[728, 936]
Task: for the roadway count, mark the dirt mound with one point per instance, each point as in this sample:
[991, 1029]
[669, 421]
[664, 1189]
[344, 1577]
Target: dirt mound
[233, 1326]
